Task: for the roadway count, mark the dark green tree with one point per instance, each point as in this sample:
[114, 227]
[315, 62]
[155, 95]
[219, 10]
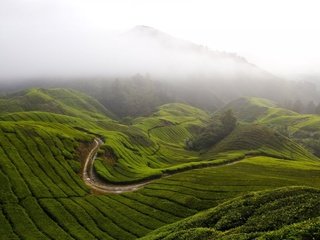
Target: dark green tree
[317, 110]
[210, 135]
[228, 120]
[297, 106]
[310, 108]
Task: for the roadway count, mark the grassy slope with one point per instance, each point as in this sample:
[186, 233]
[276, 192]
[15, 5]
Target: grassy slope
[61, 101]
[40, 185]
[255, 139]
[261, 215]
[304, 128]
[152, 145]
[249, 109]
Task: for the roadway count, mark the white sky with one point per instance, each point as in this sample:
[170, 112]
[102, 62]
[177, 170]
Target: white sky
[281, 36]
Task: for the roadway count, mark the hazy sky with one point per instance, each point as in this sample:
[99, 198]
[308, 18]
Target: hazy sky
[281, 36]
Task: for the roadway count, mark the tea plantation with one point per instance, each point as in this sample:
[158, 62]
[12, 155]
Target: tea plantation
[244, 187]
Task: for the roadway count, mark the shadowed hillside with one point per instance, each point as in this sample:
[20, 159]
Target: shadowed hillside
[303, 128]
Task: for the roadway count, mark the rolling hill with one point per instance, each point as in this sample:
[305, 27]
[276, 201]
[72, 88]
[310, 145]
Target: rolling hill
[303, 128]
[45, 143]
[62, 101]
[144, 68]
[277, 214]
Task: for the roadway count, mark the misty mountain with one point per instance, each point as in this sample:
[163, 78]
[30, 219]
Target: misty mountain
[134, 72]
[164, 56]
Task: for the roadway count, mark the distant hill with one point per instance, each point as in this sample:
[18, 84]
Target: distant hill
[161, 39]
[61, 101]
[144, 68]
[249, 109]
[304, 128]
[258, 138]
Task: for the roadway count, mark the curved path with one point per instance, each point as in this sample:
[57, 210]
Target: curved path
[98, 185]
[101, 186]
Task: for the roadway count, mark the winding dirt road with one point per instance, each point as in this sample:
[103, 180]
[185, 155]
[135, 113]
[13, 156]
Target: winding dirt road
[90, 178]
[101, 186]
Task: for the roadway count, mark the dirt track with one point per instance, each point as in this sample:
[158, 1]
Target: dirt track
[98, 185]
[90, 178]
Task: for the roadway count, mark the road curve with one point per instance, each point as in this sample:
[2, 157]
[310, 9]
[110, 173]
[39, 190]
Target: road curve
[91, 180]
[101, 186]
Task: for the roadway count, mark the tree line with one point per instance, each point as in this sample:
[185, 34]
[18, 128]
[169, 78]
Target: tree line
[300, 107]
[219, 127]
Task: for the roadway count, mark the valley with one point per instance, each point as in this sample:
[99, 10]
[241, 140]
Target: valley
[159, 120]
[146, 178]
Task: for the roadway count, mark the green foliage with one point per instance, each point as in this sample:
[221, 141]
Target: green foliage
[251, 215]
[42, 195]
[228, 120]
[61, 101]
[214, 132]
[303, 128]
[309, 229]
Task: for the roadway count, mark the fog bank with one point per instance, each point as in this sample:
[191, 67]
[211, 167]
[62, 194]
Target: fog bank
[64, 38]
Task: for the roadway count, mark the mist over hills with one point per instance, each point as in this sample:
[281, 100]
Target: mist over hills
[201, 124]
[145, 67]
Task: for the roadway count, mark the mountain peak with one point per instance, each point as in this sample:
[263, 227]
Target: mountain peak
[144, 28]
[172, 42]
[148, 31]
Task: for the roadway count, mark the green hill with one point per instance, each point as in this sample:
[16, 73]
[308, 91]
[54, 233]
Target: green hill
[250, 109]
[61, 101]
[277, 214]
[258, 139]
[161, 148]
[44, 144]
[303, 128]
[152, 146]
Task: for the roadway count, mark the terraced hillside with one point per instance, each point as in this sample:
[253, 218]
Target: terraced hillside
[42, 153]
[61, 101]
[303, 128]
[285, 213]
